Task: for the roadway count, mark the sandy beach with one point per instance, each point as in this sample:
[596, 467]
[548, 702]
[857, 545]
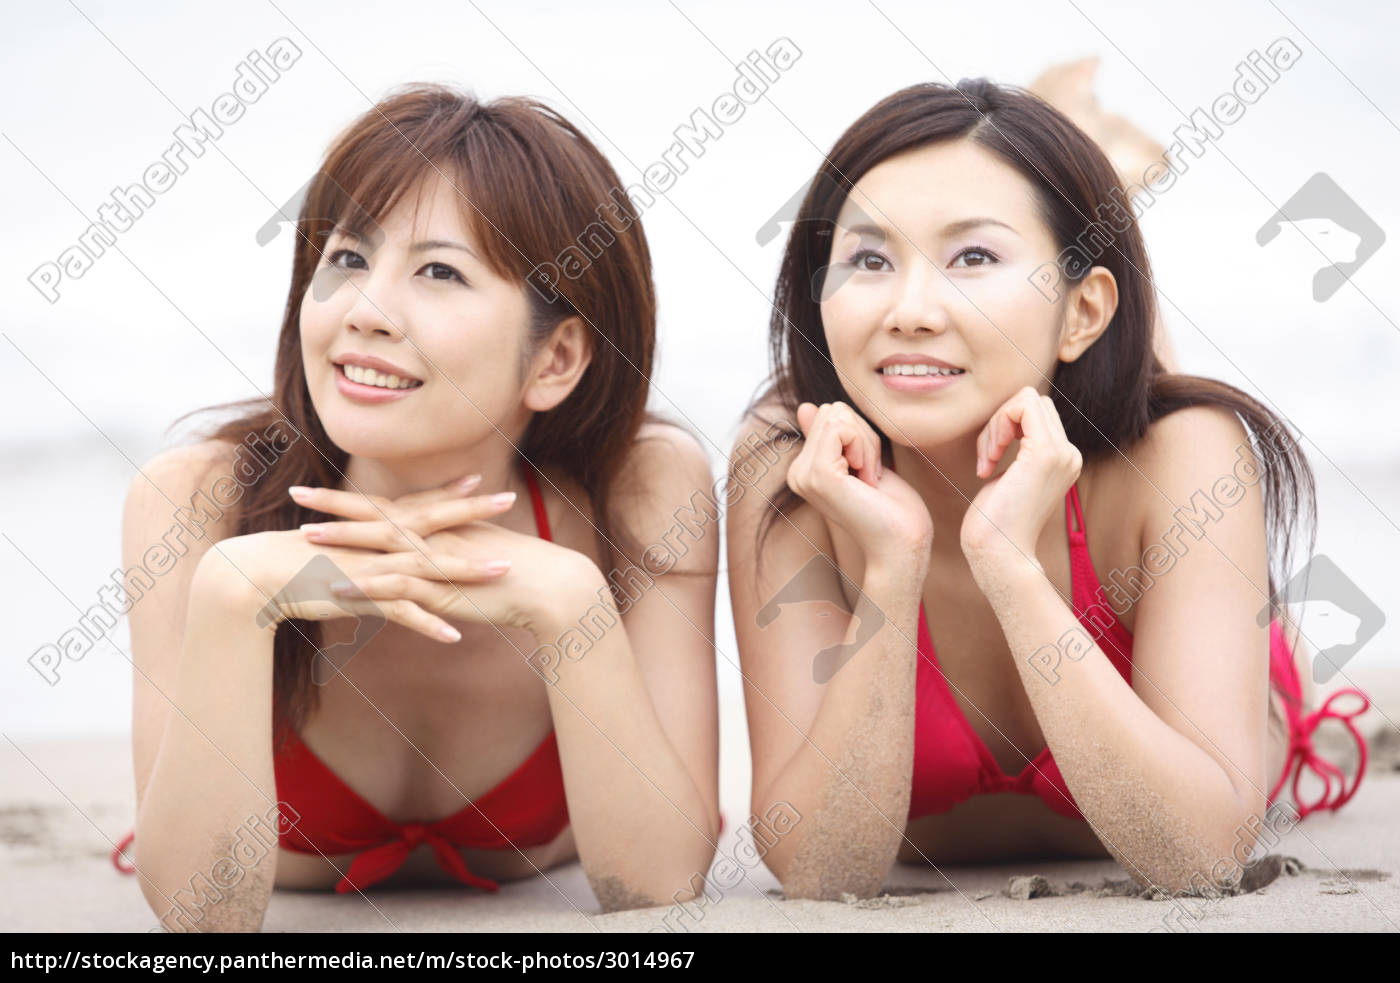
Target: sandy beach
[64, 803]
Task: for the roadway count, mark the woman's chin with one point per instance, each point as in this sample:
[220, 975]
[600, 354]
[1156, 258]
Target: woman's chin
[922, 432]
[371, 443]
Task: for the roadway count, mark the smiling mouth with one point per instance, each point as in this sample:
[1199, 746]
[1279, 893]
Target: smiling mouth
[918, 370]
[379, 380]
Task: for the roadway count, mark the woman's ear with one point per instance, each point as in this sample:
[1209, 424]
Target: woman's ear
[1088, 310]
[558, 365]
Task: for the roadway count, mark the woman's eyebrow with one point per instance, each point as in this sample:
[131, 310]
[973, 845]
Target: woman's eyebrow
[346, 232]
[419, 247]
[863, 229]
[951, 229]
[967, 224]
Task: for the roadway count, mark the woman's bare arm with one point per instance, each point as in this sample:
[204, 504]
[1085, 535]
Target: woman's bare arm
[636, 708]
[838, 753]
[1167, 770]
[202, 707]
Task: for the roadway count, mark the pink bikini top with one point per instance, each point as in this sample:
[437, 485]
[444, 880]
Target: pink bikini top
[952, 764]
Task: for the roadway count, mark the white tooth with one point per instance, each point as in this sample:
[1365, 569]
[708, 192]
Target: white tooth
[368, 377]
[919, 369]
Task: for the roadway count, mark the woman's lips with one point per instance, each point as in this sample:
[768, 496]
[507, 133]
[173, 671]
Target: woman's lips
[362, 393]
[918, 383]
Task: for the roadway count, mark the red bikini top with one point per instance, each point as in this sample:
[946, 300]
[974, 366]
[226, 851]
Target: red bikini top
[952, 764]
[526, 809]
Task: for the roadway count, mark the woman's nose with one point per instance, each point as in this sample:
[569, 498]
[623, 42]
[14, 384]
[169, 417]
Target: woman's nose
[373, 306]
[921, 304]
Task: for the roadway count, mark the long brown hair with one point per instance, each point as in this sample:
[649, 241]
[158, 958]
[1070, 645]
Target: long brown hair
[534, 184]
[1116, 389]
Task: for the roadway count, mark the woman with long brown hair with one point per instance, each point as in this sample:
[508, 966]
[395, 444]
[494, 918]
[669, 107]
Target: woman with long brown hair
[438, 629]
[1050, 553]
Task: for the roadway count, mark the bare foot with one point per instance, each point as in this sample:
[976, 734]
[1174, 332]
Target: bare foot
[1069, 87]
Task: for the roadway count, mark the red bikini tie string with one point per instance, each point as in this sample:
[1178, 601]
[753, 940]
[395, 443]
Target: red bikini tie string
[377, 863]
[1301, 748]
[119, 851]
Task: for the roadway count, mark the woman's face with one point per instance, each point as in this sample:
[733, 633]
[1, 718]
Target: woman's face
[416, 302]
[932, 259]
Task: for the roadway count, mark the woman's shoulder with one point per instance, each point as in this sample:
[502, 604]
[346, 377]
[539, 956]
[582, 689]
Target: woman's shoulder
[179, 472]
[1189, 441]
[664, 451]
[181, 487]
[1184, 459]
[664, 480]
[666, 467]
[666, 493]
[768, 433]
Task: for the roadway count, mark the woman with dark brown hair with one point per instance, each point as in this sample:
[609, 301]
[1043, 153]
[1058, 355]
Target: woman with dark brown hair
[379, 647]
[1049, 554]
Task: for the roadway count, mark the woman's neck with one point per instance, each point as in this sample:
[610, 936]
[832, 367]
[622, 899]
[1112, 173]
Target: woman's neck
[946, 479]
[494, 459]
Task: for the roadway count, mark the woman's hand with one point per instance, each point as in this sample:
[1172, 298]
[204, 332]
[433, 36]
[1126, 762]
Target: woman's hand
[280, 574]
[1006, 517]
[840, 473]
[438, 556]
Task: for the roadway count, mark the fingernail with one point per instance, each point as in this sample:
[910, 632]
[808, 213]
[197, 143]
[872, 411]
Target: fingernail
[298, 490]
[450, 634]
[341, 587]
[310, 527]
[504, 498]
[498, 566]
[470, 481]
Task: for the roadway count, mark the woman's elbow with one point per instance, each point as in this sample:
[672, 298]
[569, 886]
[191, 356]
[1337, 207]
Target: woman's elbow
[829, 869]
[1210, 866]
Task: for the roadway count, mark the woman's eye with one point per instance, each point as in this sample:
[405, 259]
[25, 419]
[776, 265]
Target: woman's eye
[441, 271]
[346, 259]
[868, 260]
[983, 258]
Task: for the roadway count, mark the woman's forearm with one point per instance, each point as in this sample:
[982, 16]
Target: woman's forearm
[1159, 803]
[213, 772]
[849, 780]
[642, 826]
